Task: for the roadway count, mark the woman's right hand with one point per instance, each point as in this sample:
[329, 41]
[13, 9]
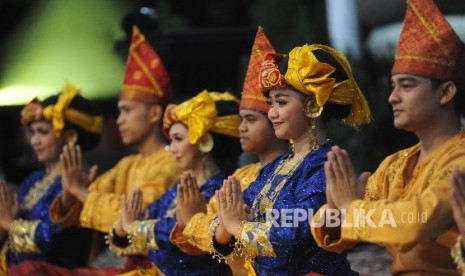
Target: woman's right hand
[190, 200]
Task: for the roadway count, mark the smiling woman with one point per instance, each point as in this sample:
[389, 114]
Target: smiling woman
[312, 82]
[67, 118]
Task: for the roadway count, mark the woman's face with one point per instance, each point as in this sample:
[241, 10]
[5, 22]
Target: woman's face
[286, 113]
[186, 154]
[46, 145]
[256, 131]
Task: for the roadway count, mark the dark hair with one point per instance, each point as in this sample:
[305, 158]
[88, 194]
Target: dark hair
[226, 148]
[331, 110]
[86, 140]
[459, 98]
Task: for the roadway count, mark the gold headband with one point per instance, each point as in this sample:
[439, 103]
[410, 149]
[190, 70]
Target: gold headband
[199, 114]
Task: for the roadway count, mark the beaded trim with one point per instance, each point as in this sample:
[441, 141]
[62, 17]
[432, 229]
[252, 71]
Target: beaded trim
[21, 237]
[141, 239]
[215, 253]
[457, 255]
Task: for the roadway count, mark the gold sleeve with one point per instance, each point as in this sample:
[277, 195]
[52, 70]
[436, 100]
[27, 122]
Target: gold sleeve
[197, 231]
[65, 218]
[177, 238]
[103, 205]
[253, 240]
[21, 237]
[141, 239]
[321, 235]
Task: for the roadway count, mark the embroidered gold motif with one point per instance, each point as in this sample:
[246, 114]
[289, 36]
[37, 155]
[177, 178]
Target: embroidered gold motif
[254, 240]
[213, 251]
[21, 238]
[263, 201]
[37, 191]
[141, 239]
[456, 254]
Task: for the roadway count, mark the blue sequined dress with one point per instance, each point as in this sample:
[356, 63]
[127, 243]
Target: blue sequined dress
[168, 258]
[34, 237]
[286, 247]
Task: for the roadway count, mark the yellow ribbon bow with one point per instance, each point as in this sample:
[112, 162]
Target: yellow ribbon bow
[308, 75]
[312, 77]
[199, 114]
[56, 113]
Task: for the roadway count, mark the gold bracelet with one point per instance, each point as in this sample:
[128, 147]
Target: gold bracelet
[213, 251]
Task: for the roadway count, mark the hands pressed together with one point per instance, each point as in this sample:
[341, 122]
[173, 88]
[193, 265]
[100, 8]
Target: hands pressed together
[9, 207]
[190, 200]
[74, 179]
[232, 210]
[131, 210]
[458, 201]
[341, 185]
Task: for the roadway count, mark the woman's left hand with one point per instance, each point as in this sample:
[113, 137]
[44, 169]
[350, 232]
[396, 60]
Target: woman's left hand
[231, 205]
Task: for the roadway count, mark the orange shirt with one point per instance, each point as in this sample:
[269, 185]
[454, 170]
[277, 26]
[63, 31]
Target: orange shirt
[411, 218]
[153, 174]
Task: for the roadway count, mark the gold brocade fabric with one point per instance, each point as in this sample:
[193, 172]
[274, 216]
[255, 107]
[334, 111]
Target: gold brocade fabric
[419, 240]
[21, 236]
[153, 174]
[141, 239]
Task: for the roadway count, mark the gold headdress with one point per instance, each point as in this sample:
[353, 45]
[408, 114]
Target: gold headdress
[200, 115]
[60, 112]
[314, 78]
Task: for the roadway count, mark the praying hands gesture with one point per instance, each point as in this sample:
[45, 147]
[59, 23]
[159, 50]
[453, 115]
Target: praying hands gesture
[130, 211]
[232, 210]
[458, 201]
[341, 185]
[9, 207]
[74, 179]
[190, 200]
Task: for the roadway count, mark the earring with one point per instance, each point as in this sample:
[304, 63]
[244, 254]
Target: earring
[311, 108]
[314, 137]
[206, 143]
[291, 147]
[70, 136]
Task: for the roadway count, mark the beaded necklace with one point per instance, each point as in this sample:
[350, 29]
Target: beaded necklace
[262, 201]
[38, 190]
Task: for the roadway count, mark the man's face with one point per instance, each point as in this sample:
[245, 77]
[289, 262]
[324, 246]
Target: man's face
[133, 121]
[256, 132]
[414, 102]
